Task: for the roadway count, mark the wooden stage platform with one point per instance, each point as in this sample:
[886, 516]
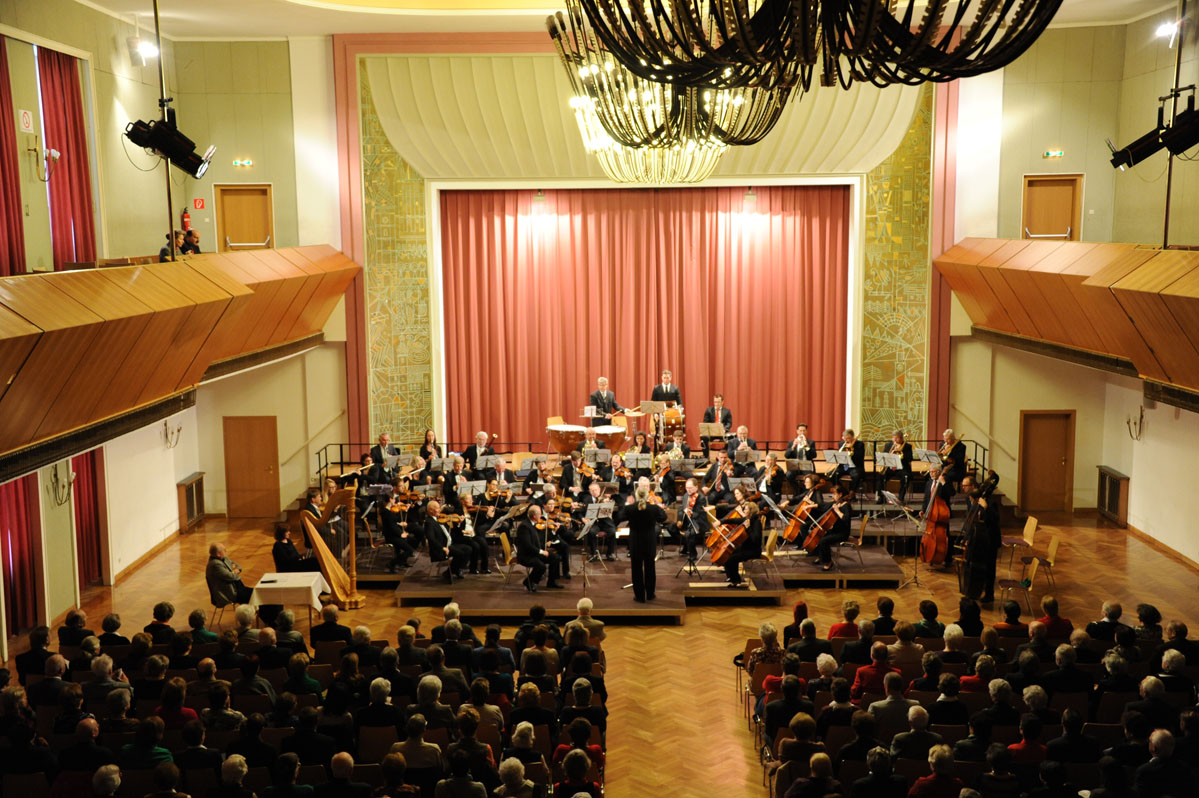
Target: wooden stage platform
[876, 569]
[490, 598]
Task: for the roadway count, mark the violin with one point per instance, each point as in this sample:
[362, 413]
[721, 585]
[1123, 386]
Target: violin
[825, 524]
[623, 473]
[586, 470]
[934, 545]
[450, 518]
[662, 474]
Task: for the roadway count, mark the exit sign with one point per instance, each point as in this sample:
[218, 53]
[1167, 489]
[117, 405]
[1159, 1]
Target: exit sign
[1053, 154]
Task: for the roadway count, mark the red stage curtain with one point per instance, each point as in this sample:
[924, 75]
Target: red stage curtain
[12, 226]
[18, 509]
[87, 518]
[72, 227]
[743, 298]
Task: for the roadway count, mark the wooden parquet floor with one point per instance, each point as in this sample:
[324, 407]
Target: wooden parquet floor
[676, 726]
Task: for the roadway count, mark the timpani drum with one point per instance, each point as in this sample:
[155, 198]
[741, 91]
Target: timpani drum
[613, 436]
[565, 438]
[673, 419]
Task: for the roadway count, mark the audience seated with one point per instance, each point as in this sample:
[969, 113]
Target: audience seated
[312, 747]
[970, 617]
[818, 783]
[1001, 711]
[145, 753]
[195, 755]
[428, 704]
[916, 742]
[1057, 627]
[1036, 702]
[941, 783]
[111, 626]
[74, 629]
[826, 673]
[884, 624]
[341, 783]
[159, 629]
[999, 780]
[1011, 625]
[892, 712]
[249, 744]
[791, 631]
[197, 620]
[1164, 773]
[233, 773]
[452, 612]
[575, 767]
[1073, 746]
[976, 746]
[1068, 677]
[948, 709]
[1028, 750]
[1133, 750]
[881, 782]
[930, 679]
[904, 651]
[1105, 628]
[1149, 625]
[513, 783]
[849, 626]
[459, 783]
[869, 678]
[778, 713]
[954, 642]
[839, 711]
[928, 625]
[858, 651]
[408, 654]
[808, 647]
[989, 645]
[865, 731]
[1153, 705]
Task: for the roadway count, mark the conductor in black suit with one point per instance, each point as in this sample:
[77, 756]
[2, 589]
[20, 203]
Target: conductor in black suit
[476, 450]
[714, 414]
[604, 402]
[442, 545]
[643, 519]
[667, 391]
[530, 554]
[287, 557]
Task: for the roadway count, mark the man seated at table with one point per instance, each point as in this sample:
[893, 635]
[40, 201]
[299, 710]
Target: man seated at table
[224, 578]
[287, 557]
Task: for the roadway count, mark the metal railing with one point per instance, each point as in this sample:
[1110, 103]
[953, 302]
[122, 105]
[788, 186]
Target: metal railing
[349, 454]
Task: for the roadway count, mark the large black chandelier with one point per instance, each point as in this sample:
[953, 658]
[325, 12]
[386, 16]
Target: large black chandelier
[720, 44]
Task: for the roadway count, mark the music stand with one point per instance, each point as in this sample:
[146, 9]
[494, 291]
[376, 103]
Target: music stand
[596, 455]
[441, 463]
[654, 410]
[486, 461]
[745, 483]
[893, 500]
[474, 488]
[691, 564]
[392, 461]
[593, 513]
[746, 455]
[713, 431]
[591, 411]
[929, 456]
[636, 462]
[802, 466]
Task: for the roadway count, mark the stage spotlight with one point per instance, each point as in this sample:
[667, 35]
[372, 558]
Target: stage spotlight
[1135, 152]
[1184, 133]
[165, 139]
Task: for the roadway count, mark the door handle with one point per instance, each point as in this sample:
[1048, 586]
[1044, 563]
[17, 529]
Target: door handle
[266, 243]
[1027, 234]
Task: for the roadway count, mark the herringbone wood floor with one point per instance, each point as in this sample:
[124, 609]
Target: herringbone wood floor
[676, 725]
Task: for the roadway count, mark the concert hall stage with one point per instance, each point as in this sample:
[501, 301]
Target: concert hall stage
[489, 598]
[876, 569]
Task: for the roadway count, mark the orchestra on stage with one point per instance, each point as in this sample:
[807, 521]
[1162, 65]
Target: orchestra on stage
[556, 515]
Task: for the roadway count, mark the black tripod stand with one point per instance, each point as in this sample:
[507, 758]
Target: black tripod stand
[690, 566]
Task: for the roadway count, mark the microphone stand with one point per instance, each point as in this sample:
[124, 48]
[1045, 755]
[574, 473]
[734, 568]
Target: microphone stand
[690, 566]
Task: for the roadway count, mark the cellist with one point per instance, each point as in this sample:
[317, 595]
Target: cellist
[811, 495]
[751, 547]
[843, 512]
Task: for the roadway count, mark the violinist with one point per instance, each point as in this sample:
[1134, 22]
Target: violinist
[604, 402]
[694, 521]
[643, 517]
[716, 481]
[664, 479]
[395, 528]
[465, 533]
[559, 531]
[717, 413]
[857, 453]
[531, 551]
[843, 512]
[953, 453]
[542, 474]
[678, 447]
[572, 482]
[479, 448]
[902, 448]
[640, 446]
[770, 477]
[751, 547]
[451, 482]
[547, 495]
[622, 476]
[603, 530]
[442, 545]
[982, 540]
[430, 447]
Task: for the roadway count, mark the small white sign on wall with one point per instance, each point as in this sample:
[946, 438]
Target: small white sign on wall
[25, 121]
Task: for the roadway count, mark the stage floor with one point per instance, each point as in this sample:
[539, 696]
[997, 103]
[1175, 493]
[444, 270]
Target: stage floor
[876, 568]
[491, 598]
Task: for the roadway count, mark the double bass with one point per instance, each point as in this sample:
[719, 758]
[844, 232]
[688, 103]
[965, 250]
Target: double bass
[934, 545]
[972, 575]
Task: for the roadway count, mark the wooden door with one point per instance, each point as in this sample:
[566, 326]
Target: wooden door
[1046, 460]
[251, 467]
[245, 217]
[1052, 207]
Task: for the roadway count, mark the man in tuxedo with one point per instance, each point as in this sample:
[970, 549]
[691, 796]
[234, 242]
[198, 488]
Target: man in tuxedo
[572, 483]
[531, 555]
[442, 545]
[679, 443]
[287, 557]
[382, 450]
[502, 474]
[985, 538]
[717, 413]
[801, 447]
[604, 402]
[694, 521]
[901, 447]
[716, 480]
[603, 526]
[472, 454]
[667, 391]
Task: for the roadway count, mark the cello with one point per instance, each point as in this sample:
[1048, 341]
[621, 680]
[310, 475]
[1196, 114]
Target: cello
[934, 545]
[729, 537]
[826, 522]
[803, 514]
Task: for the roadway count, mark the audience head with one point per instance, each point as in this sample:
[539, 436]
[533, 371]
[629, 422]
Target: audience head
[1037, 631]
[850, 610]
[1000, 690]
[885, 606]
[406, 636]
[1011, 611]
[1148, 615]
[1152, 687]
[1136, 725]
[111, 623]
[803, 726]
[893, 683]
[790, 688]
[940, 759]
[522, 735]
[342, 766]
[905, 631]
[1065, 656]
[928, 610]
[102, 666]
[878, 652]
[285, 620]
[512, 774]
[267, 636]
[174, 692]
[841, 690]
[106, 780]
[1161, 744]
[1115, 778]
[826, 665]
[949, 684]
[234, 769]
[989, 637]
[1049, 606]
[244, 616]
[820, 766]
[287, 766]
[149, 731]
[807, 628]
[56, 665]
[1036, 698]
[1173, 661]
[953, 637]
[984, 667]
[799, 612]
[193, 733]
[981, 725]
[863, 724]
[428, 690]
[528, 695]
[878, 760]
[918, 718]
[866, 630]
[768, 633]
[1072, 721]
[1030, 727]
[116, 703]
[164, 611]
[999, 758]
[931, 663]
[575, 765]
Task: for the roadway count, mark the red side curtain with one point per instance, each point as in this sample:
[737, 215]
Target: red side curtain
[18, 511]
[72, 227]
[12, 226]
[87, 518]
[740, 297]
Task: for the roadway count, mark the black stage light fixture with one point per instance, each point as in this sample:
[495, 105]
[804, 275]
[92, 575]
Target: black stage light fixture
[164, 138]
[1184, 133]
[1142, 148]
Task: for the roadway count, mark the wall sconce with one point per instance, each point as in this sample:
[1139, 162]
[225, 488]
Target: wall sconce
[61, 488]
[44, 162]
[171, 436]
[1136, 428]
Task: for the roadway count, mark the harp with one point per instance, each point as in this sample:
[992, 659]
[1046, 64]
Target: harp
[343, 588]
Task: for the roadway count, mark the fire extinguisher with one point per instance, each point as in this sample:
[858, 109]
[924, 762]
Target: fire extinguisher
[185, 220]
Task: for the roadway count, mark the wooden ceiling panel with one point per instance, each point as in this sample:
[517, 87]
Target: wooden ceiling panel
[1138, 293]
[1022, 277]
[959, 266]
[17, 339]
[338, 273]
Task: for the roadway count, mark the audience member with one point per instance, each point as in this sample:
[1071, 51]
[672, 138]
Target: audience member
[930, 678]
[1036, 702]
[594, 626]
[1028, 750]
[459, 784]
[452, 612]
[249, 744]
[159, 628]
[1011, 625]
[948, 709]
[145, 753]
[312, 747]
[881, 782]
[195, 755]
[1105, 628]
[233, 773]
[849, 626]
[928, 625]
[1073, 746]
[428, 704]
[1149, 625]
[1057, 627]
[999, 780]
[976, 746]
[884, 624]
[818, 783]
[197, 620]
[418, 754]
[941, 783]
[904, 651]
[799, 613]
[808, 647]
[916, 742]
[1038, 642]
[111, 625]
[865, 730]
[892, 711]
[74, 629]
[869, 678]
[970, 617]
[858, 651]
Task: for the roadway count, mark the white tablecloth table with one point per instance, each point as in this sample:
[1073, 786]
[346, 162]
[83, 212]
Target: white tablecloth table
[304, 587]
